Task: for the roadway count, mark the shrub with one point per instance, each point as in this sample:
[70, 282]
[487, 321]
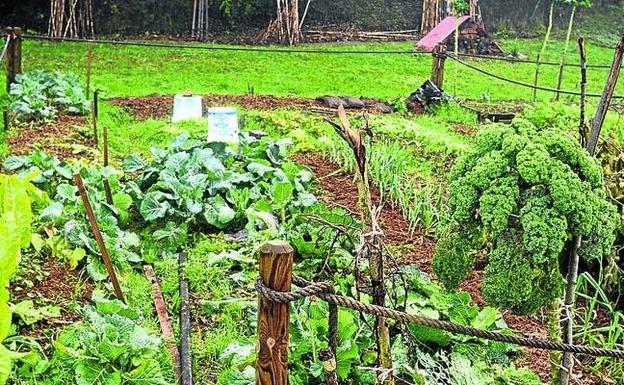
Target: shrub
[530, 191]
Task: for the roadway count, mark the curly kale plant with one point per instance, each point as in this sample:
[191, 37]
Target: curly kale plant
[524, 193]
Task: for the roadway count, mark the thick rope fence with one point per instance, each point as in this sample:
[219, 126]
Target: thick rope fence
[324, 290]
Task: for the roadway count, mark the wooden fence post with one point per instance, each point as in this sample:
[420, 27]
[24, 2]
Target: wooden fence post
[276, 260]
[437, 72]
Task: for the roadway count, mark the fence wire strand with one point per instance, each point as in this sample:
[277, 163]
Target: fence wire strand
[523, 84]
[227, 48]
[324, 290]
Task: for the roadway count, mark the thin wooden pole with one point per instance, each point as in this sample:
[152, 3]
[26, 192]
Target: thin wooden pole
[94, 117]
[89, 61]
[5, 118]
[163, 318]
[186, 360]
[605, 100]
[98, 237]
[276, 260]
[107, 189]
[437, 71]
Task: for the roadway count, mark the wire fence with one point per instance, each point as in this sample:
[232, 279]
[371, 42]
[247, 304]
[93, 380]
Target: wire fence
[456, 57]
[523, 84]
[324, 291]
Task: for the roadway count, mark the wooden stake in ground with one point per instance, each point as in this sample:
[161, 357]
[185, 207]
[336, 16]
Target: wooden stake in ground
[186, 359]
[98, 237]
[5, 118]
[605, 100]
[163, 318]
[371, 239]
[107, 189]
[89, 62]
[94, 117]
[276, 260]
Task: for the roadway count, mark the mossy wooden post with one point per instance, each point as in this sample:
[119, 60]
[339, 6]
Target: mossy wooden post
[276, 260]
[437, 72]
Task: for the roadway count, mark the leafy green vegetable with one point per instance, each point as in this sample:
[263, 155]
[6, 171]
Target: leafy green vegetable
[40, 95]
[206, 184]
[527, 192]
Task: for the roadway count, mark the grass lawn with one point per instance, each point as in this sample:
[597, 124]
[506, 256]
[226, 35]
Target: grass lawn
[135, 71]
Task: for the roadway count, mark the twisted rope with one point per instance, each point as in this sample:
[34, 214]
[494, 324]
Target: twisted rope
[324, 290]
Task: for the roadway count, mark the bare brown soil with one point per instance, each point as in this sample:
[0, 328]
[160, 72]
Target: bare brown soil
[51, 283]
[58, 137]
[161, 106]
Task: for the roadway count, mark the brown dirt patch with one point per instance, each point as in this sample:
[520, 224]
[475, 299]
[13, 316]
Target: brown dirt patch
[338, 189]
[55, 138]
[161, 106]
[51, 283]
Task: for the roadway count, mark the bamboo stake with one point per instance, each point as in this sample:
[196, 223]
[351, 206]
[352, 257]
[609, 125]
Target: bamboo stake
[98, 237]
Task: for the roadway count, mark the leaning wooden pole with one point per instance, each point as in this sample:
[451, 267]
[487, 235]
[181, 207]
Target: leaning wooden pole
[163, 318]
[276, 261]
[98, 237]
[605, 100]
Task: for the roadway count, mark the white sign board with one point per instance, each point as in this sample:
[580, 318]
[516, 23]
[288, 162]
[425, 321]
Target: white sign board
[186, 108]
[223, 125]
